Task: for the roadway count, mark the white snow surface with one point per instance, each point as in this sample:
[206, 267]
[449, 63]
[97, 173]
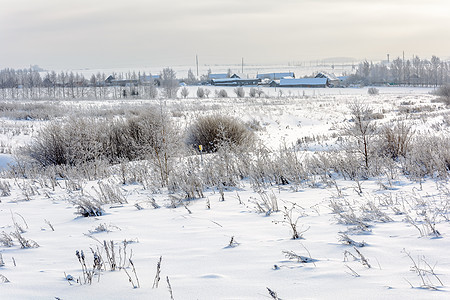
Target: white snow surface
[195, 251]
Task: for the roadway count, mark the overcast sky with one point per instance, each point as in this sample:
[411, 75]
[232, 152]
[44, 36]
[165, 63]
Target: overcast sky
[65, 34]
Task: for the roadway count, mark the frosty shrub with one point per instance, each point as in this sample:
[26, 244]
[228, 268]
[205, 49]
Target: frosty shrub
[213, 131]
[373, 91]
[444, 93]
[157, 140]
[227, 167]
[70, 143]
[79, 141]
[150, 91]
[221, 94]
[5, 189]
[184, 92]
[239, 91]
[187, 179]
[361, 131]
[87, 206]
[200, 93]
[6, 240]
[145, 133]
[169, 83]
[31, 110]
[428, 156]
[395, 140]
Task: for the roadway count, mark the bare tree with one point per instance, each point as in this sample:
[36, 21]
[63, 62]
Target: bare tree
[361, 131]
[184, 92]
[169, 83]
[63, 81]
[93, 82]
[200, 93]
[240, 93]
[191, 78]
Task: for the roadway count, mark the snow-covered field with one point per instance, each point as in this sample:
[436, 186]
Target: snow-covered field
[398, 229]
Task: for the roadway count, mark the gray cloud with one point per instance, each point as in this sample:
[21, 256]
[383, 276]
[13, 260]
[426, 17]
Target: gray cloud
[84, 33]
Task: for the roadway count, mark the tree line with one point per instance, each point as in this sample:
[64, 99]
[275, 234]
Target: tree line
[409, 72]
[31, 84]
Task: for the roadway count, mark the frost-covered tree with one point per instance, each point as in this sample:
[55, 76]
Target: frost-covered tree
[200, 93]
[184, 92]
[169, 83]
[361, 131]
[239, 91]
[93, 82]
[191, 79]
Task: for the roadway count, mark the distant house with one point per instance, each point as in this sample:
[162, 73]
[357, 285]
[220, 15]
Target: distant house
[235, 81]
[47, 82]
[275, 76]
[109, 79]
[217, 76]
[332, 80]
[148, 79]
[303, 82]
[343, 80]
[124, 82]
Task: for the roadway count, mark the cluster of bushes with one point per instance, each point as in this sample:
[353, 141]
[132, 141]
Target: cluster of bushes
[83, 140]
[232, 152]
[373, 91]
[213, 132]
[444, 93]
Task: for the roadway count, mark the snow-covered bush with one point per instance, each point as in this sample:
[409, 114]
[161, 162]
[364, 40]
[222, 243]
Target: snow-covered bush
[373, 91]
[215, 131]
[360, 132]
[444, 93]
[239, 91]
[221, 94]
[71, 143]
[169, 83]
[84, 140]
[87, 206]
[6, 240]
[184, 92]
[395, 140]
[200, 93]
[5, 189]
[428, 156]
[187, 179]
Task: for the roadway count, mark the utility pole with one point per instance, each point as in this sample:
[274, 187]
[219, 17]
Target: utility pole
[196, 61]
[403, 67]
[388, 57]
[242, 69]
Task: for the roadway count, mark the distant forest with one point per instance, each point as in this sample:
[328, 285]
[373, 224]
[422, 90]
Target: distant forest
[33, 83]
[414, 72]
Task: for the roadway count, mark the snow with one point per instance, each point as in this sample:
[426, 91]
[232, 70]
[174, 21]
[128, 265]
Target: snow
[195, 247]
[5, 160]
[303, 81]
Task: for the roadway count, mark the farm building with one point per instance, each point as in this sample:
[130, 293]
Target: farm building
[235, 81]
[343, 80]
[217, 76]
[147, 79]
[124, 82]
[275, 76]
[109, 79]
[333, 81]
[303, 82]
